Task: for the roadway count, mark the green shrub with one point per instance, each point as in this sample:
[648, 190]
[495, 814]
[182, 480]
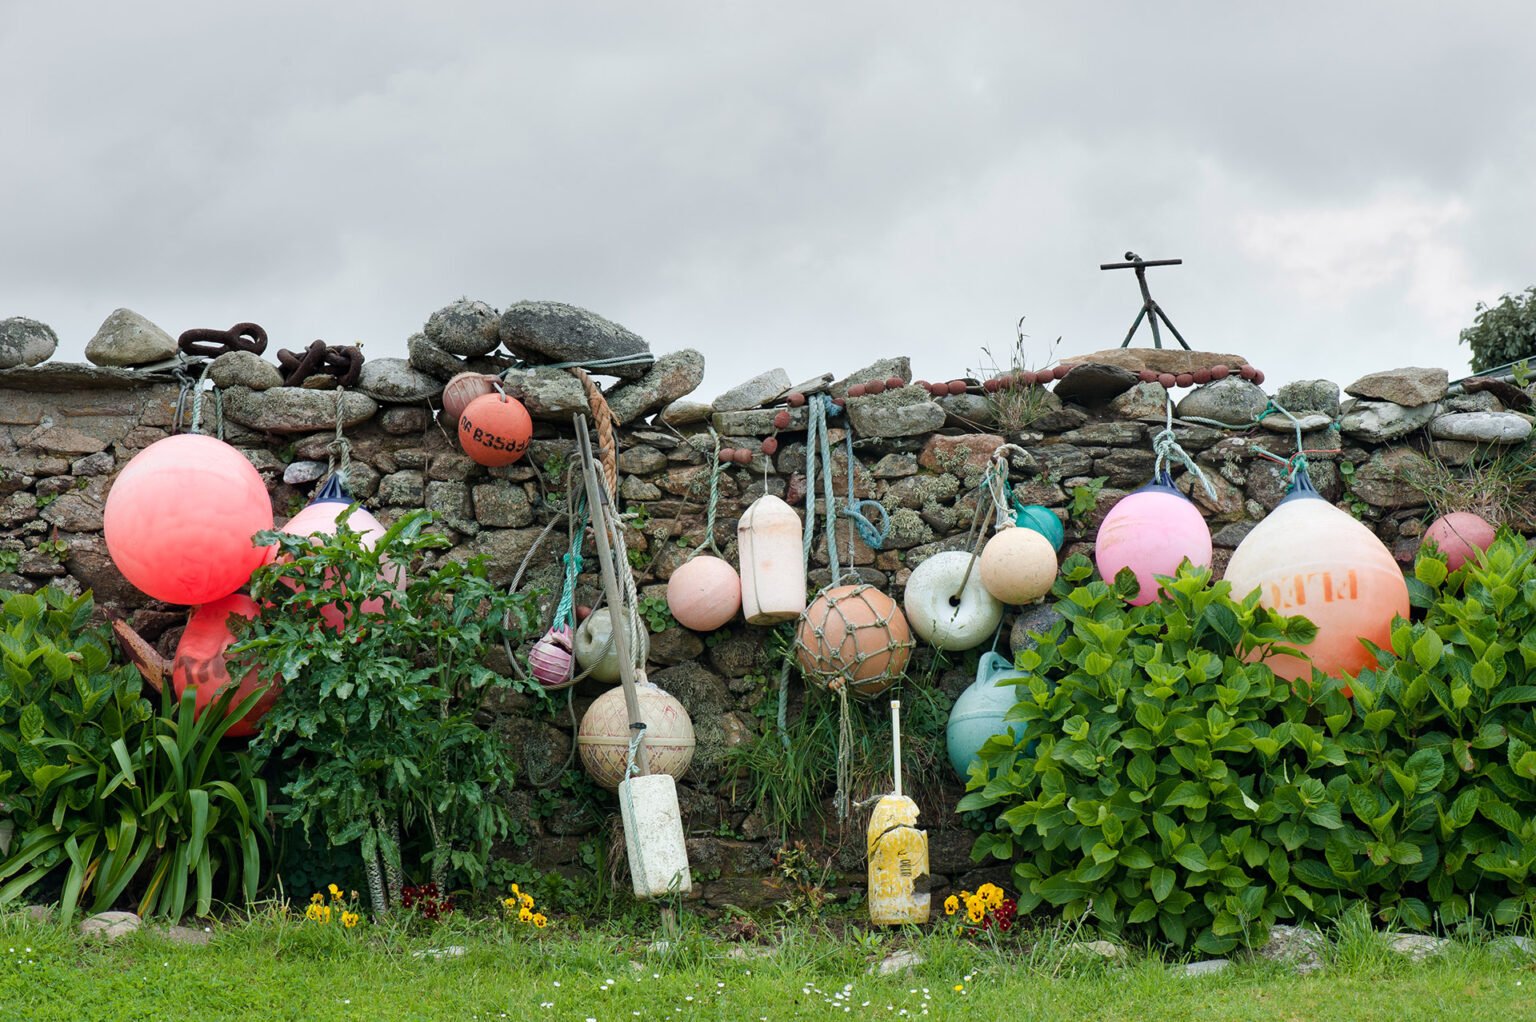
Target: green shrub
[122, 800]
[1439, 781]
[1503, 333]
[377, 721]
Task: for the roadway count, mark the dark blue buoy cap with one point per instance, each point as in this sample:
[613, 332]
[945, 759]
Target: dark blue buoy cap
[333, 492]
[1162, 483]
[1301, 487]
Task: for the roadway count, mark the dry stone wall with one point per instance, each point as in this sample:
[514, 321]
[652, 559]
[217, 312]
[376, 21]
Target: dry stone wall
[66, 429]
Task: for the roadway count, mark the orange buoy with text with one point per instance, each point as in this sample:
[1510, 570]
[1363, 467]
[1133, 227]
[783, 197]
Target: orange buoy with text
[1309, 558]
[898, 851]
[494, 430]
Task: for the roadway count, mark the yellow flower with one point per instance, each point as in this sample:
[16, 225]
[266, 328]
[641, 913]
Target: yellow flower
[965, 895]
[349, 919]
[509, 903]
[528, 901]
[991, 894]
[539, 920]
[951, 905]
[959, 988]
[316, 898]
[524, 915]
[975, 909]
[516, 889]
[335, 892]
[325, 914]
[312, 913]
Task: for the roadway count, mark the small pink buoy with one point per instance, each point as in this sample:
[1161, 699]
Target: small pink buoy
[1220, 372]
[1201, 376]
[771, 446]
[319, 518]
[857, 390]
[1246, 371]
[1168, 380]
[1459, 535]
[551, 659]
[956, 387]
[875, 387]
[1026, 378]
[894, 383]
[991, 386]
[704, 594]
[795, 399]
[463, 389]
[1185, 379]
[1147, 376]
[781, 420]
[1152, 531]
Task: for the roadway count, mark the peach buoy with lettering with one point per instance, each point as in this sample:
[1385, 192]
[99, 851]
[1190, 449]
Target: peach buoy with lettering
[494, 430]
[1018, 565]
[1152, 531]
[180, 516]
[853, 636]
[200, 663]
[1460, 536]
[769, 539]
[1308, 558]
[704, 593]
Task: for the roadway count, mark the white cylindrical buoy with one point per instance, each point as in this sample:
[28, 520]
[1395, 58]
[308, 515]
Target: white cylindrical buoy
[653, 836]
[943, 613]
[769, 538]
[898, 851]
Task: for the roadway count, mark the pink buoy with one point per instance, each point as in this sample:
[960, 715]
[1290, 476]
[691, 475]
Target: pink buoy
[200, 663]
[1311, 559]
[180, 516]
[1152, 531]
[1459, 536]
[551, 659]
[318, 518]
[704, 594]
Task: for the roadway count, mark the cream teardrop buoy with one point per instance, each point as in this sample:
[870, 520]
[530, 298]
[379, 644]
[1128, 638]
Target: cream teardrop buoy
[704, 593]
[1309, 558]
[941, 611]
[769, 538]
[596, 651]
[1018, 565]
[1152, 531]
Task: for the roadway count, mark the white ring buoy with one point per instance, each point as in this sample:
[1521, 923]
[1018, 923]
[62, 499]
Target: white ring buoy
[940, 613]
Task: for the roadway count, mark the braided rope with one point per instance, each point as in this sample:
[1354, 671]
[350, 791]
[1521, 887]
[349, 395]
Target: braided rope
[338, 453]
[872, 535]
[602, 421]
[1166, 445]
[714, 502]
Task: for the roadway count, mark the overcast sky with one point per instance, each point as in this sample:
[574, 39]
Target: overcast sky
[801, 184]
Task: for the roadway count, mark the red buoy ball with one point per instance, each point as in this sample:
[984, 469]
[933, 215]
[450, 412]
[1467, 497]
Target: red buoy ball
[795, 399]
[180, 516]
[875, 387]
[839, 402]
[1168, 380]
[857, 390]
[583, 612]
[726, 456]
[956, 387]
[200, 663]
[991, 386]
[1185, 379]
[781, 420]
[771, 446]
[1258, 377]
[1460, 536]
[1220, 372]
[743, 456]
[495, 430]
[1246, 371]
[1147, 376]
[924, 384]
[1026, 377]
[894, 383]
[1201, 376]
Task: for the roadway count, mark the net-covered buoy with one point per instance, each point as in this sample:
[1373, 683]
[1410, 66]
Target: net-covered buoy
[199, 663]
[1043, 520]
[769, 538]
[494, 429]
[942, 612]
[1152, 531]
[1460, 536]
[1018, 565]
[704, 593]
[180, 516]
[1311, 559]
[552, 658]
[853, 636]
[604, 734]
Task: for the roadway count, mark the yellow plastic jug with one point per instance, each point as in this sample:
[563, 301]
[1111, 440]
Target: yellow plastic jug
[898, 851]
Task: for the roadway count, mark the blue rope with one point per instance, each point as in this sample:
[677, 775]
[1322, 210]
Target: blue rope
[818, 447]
[565, 611]
[872, 535]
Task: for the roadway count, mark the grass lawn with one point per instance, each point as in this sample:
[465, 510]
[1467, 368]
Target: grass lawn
[280, 969]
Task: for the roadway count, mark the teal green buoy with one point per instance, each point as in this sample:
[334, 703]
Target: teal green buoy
[1042, 520]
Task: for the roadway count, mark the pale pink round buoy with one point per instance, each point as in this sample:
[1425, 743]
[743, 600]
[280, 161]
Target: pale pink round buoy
[1018, 565]
[1152, 531]
[318, 518]
[552, 660]
[1459, 536]
[180, 516]
[704, 594]
[1311, 559]
[200, 664]
[463, 389]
